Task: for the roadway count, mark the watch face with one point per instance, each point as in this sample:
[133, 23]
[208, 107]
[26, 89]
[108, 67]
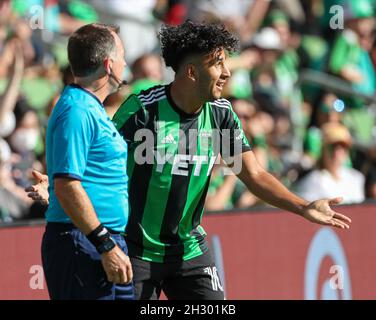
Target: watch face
[110, 244]
[107, 246]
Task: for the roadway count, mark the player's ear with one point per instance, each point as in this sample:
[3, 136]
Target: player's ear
[191, 71]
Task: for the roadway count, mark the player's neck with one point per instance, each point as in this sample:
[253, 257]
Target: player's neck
[185, 99]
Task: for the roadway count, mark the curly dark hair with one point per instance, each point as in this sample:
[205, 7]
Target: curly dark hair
[177, 42]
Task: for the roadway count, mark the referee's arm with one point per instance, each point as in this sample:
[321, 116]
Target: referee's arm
[77, 205]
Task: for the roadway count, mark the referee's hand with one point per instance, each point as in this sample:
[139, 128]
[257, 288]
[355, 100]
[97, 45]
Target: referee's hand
[117, 266]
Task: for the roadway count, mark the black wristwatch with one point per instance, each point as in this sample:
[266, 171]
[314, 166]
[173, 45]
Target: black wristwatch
[106, 245]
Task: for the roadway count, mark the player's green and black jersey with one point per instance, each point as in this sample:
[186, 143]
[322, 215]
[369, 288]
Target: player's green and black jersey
[171, 155]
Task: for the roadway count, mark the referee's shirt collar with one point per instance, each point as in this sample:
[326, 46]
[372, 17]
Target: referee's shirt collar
[74, 85]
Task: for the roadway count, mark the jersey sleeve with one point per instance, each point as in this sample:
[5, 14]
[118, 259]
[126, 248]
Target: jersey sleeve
[234, 140]
[73, 135]
[130, 117]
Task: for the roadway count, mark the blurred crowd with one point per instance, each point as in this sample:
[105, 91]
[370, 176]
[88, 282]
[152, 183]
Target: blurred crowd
[303, 86]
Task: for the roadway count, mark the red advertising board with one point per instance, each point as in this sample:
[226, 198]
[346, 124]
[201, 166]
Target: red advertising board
[279, 255]
[21, 274]
[260, 255]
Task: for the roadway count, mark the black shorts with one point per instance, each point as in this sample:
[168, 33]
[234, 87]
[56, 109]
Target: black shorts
[195, 279]
[73, 267]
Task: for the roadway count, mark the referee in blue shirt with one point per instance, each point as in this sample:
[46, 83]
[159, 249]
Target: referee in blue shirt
[84, 254]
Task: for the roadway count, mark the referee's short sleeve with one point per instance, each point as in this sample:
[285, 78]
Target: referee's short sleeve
[72, 137]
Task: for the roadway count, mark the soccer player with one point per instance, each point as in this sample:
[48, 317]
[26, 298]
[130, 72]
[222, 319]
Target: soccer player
[166, 241]
[175, 133]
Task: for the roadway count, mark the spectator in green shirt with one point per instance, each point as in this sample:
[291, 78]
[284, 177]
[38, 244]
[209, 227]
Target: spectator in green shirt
[350, 58]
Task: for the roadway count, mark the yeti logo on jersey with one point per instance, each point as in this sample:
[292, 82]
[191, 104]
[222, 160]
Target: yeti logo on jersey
[180, 163]
[216, 282]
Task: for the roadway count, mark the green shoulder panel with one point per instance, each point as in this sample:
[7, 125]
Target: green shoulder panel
[126, 110]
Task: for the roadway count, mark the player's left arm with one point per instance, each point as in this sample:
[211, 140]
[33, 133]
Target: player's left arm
[266, 187]
[263, 185]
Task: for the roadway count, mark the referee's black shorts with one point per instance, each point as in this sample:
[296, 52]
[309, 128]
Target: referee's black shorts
[195, 279]
[73, 268]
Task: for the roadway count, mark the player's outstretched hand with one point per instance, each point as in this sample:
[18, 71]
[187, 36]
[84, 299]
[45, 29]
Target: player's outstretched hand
[39, 191]
[320, 211]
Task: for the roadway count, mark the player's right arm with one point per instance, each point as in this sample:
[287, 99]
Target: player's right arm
[130, 117]
[39, 191]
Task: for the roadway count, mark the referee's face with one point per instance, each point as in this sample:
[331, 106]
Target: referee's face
[119, 63]
[213, 74]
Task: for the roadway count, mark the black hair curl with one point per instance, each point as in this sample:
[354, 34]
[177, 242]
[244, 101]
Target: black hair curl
[177, 42]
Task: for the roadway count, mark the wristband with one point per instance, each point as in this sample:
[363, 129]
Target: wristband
[101, 239]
